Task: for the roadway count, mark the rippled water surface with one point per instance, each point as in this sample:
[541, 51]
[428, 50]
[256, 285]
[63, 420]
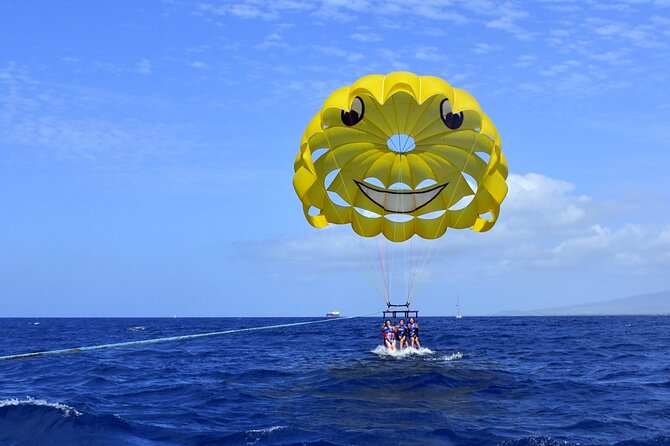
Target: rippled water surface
[511, 381]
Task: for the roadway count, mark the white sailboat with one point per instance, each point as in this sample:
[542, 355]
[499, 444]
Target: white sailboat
[458, 307]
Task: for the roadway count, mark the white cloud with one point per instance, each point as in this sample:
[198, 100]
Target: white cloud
[198, 65]
[366, 37]
[545, 224]
[641, 35]
[252, 9]
[485, 48]
[328, 50]
[428, 53]
[525, 61]
[506, 17]
[51, 123]
[537, 200]
[273, 40]
[394, 59]
[624, 248]
[144, 67]
[437, 10]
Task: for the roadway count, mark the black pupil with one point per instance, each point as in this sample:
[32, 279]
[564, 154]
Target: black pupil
[451, 120]
[352, 116]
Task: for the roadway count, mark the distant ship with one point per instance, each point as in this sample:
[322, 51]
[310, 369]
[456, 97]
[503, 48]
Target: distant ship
[458, 307]
[333, 314]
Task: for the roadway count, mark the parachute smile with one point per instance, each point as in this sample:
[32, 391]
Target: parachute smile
[400, 201]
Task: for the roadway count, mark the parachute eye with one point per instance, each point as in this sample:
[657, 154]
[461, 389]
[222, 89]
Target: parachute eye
[355, 114]
[450, 119]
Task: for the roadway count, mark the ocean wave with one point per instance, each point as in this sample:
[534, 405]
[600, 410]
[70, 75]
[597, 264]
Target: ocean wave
[549, 441]
[29, 401]
[137, 328]
[537, 441]
[254, 436]
[34, 421]
[660, 440]
[274, 435]
[266, 430]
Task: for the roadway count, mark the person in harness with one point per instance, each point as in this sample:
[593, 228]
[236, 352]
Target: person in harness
[413, 328]
[388, 334]
[401, 334]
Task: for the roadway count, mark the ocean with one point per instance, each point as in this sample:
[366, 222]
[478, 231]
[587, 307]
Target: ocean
[479, 381]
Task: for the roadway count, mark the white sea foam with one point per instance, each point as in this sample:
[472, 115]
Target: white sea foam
[138, 328]
[255, 435]
[266, 430]
[453, 357]
[67, 410]
[380, 350]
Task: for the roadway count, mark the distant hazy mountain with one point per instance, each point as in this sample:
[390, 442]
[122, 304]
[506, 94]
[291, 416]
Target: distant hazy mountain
[657, 303]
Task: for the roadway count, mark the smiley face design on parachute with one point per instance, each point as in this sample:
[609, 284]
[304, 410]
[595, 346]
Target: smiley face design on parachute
[400, 155]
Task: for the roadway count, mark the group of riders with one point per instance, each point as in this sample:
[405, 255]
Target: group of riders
[404, 335]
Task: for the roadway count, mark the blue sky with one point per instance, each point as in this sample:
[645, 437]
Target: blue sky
[146, 152]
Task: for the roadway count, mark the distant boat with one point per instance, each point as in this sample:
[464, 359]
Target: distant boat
[333, 314]
[458, 307]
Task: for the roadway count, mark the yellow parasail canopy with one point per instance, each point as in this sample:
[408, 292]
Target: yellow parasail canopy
[400, 155]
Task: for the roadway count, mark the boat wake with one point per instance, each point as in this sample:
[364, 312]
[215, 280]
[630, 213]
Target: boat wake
[382, 351]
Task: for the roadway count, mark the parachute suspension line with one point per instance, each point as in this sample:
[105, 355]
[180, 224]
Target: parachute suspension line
[409, 269]
[388, 265]
[415, 252]
[415, 269]
[433, 249]
[382, 265]
[461, 178]
[416, 249]
[423, 257]
[354, 253]
[390, 254]
[425, 271]
[372, 273]
[91, 348]
[419, 271]
[411, 272]
[385, 266]
[397, 256]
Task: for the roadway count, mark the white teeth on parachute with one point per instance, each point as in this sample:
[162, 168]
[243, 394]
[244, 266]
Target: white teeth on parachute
[400, 201]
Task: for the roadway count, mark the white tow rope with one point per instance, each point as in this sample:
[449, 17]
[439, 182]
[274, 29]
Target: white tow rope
[168, 339]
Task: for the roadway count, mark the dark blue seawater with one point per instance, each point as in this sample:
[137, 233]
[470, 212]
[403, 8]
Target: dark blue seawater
[507, 381]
